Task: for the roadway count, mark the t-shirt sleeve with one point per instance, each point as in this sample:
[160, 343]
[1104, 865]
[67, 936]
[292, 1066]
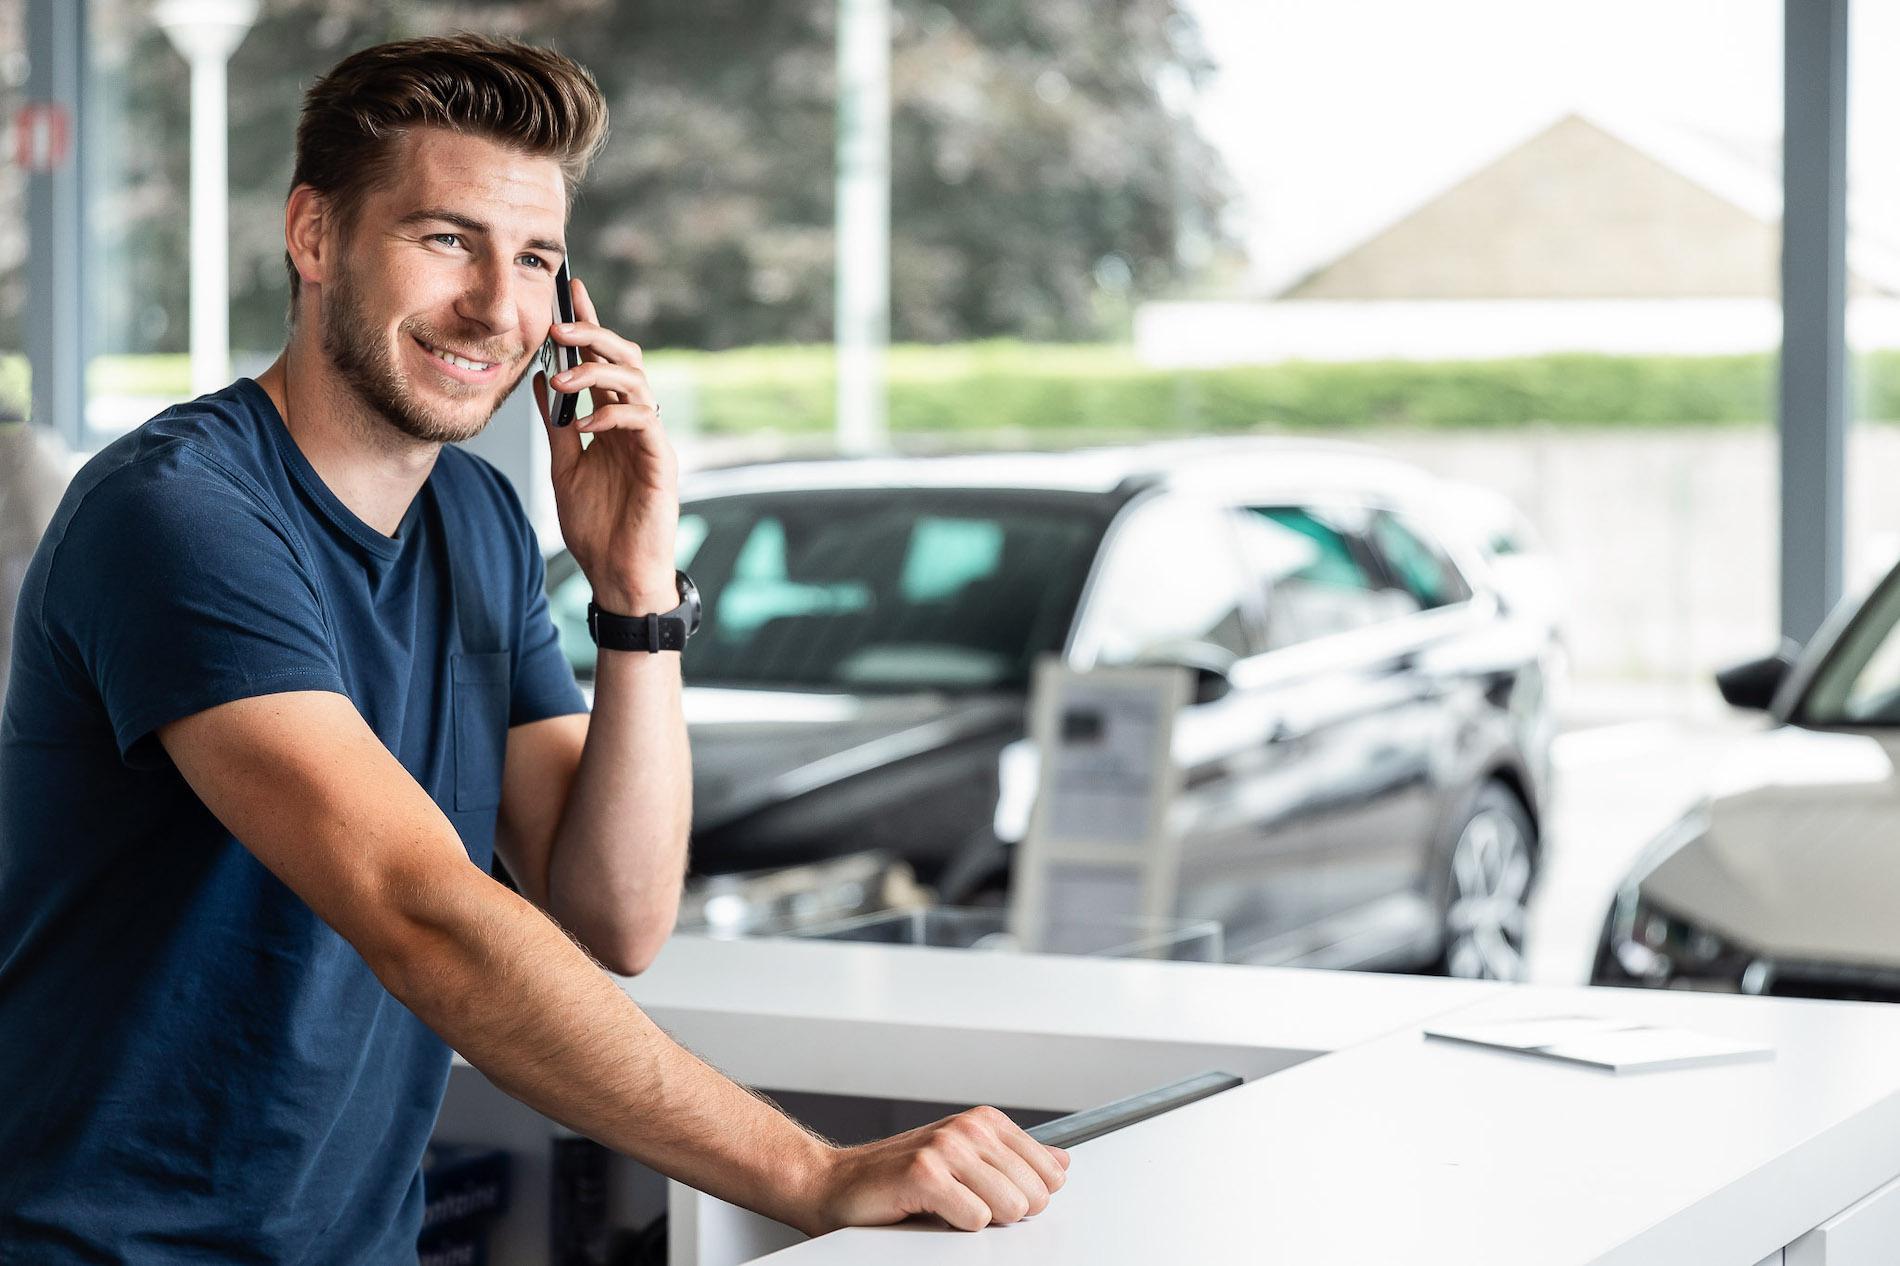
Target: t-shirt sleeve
[175, 590]
[544, 681]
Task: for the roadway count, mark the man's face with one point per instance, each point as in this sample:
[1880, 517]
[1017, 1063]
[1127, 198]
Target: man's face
[455, 258]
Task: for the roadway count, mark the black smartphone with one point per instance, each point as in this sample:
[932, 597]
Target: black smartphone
[556, 357]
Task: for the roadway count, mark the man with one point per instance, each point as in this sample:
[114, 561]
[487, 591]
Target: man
[285, 677]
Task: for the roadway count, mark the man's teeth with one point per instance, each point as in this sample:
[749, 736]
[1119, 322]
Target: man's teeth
[458, 361]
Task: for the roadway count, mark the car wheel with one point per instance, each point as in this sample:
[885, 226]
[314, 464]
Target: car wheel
[1492, 863]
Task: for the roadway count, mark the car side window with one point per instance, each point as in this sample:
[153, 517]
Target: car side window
[765, 587]
[1170, 586]
[1318, 579]
[1417, 562]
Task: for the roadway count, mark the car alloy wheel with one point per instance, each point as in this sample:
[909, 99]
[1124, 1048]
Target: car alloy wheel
[1491, 870]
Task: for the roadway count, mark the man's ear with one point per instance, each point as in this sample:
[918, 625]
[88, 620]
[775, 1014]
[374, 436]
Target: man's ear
[307, 235]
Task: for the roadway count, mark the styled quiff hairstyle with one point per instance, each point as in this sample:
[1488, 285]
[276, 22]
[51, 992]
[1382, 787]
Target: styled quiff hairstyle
[355, 117]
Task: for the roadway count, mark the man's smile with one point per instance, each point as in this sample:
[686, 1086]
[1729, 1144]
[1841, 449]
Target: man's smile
[460, 367]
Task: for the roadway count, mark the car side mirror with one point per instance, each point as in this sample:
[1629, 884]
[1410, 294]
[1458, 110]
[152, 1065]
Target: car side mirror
[1211, 683]
[1755, 684]
[1209, 665]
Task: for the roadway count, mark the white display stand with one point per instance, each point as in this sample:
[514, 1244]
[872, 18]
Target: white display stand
[1098, 837]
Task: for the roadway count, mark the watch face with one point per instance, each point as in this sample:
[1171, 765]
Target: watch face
[689, 594]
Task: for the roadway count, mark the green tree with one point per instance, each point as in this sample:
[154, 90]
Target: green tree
[1035, 172]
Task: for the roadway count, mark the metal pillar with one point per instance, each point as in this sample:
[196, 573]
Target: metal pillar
[862, 320]
[55, 215]
[1813, 313]
[206, 33]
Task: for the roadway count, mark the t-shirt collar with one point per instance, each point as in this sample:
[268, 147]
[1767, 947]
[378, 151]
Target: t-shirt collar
[300, 468]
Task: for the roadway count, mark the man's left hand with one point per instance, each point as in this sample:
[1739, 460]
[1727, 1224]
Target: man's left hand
[617, 496]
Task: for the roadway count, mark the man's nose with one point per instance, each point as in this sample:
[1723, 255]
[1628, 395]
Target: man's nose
[489, 300]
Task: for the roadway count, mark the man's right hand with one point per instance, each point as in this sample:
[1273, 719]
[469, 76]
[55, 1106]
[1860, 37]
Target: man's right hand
[973, 1169]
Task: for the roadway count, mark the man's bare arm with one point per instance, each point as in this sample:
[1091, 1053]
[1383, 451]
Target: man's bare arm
[595, 812]
[311, 791]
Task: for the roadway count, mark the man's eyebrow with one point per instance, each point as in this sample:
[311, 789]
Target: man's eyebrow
[472, 225]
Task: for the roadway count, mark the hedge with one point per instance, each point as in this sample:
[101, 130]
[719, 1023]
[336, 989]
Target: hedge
[1023, 387]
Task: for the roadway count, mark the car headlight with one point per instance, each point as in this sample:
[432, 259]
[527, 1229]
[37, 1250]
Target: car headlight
[1648, 945]
[1644, 944]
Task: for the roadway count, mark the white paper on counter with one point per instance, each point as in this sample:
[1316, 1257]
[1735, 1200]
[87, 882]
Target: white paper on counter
[1603, 1042]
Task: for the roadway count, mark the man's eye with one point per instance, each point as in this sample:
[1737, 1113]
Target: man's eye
[534, 260]
[452, 239]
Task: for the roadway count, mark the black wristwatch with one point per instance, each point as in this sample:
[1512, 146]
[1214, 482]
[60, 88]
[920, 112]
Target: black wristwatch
[666, 631]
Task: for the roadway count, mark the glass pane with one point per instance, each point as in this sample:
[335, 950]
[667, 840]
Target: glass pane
[1860, 683]
[1417, 563]
[1171, 589]
[1331, 560]
[13, 241]
[1533, 248]
[1317, 579]
[884, 590]
[1873, 304]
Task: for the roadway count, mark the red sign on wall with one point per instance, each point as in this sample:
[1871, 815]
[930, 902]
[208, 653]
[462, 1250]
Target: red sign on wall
[42, 136]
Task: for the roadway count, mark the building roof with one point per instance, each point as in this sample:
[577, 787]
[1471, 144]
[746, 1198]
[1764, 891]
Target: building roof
[1593, 205]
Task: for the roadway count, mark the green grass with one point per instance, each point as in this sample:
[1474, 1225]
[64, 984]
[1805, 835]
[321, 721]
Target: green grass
[1009, 386]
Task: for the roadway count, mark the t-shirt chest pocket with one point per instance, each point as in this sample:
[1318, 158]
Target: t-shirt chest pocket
[481, 693]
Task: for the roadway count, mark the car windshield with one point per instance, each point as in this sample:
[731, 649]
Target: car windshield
[877, 590]
[1860, 682]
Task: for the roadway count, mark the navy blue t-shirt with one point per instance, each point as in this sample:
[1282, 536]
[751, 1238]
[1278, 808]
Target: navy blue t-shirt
[193, 1066]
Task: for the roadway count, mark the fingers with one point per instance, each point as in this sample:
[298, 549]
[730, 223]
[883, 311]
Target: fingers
[588, 334]
[1003, 1200]
[1049, 1164]
[589, 326]
[974, 1169]
[982, 1148]
[583, 301]
[599, 346]
[597, 375]
[599, 343]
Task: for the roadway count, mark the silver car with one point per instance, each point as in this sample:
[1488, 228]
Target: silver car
[1783, 879]
[1364, 765]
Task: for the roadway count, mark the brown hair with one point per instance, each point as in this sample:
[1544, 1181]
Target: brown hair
[533, 99]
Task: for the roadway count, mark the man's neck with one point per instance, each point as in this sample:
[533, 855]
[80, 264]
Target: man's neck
[373, 468]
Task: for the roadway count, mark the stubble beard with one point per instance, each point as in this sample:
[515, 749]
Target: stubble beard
[364, 364]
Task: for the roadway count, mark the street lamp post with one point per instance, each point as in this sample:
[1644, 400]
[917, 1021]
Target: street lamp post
[206, 33]
[863, 301]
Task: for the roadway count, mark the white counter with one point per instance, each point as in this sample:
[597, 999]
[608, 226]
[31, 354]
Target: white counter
[1366, 1144]
[1017, 1029]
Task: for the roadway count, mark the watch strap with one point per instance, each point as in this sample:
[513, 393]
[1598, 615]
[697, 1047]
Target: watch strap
[658, 632]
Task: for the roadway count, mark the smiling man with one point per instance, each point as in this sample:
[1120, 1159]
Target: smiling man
[285, 682]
